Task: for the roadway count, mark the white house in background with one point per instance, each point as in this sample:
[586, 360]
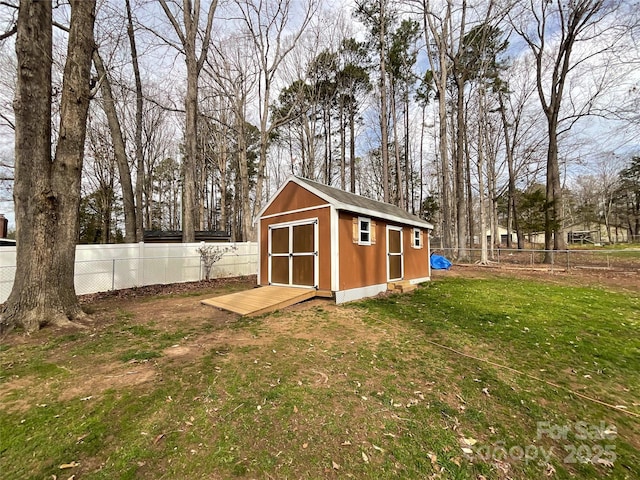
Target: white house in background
[503, 233]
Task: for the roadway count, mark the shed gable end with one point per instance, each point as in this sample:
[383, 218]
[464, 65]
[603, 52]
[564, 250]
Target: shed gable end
[292, 197]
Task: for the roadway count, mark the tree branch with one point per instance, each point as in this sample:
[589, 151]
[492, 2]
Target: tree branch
[173, 21]
[10, 123]
[8, 33]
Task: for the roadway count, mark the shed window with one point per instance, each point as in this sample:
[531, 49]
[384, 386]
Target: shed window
[364, 231]
[417, 238]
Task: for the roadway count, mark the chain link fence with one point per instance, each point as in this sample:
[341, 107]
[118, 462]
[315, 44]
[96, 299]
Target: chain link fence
[621, 260]
[138, 265]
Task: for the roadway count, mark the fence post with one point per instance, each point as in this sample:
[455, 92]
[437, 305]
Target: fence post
[531, 259]
[113, 274]
[202, 245]
[140, 276]
[568, 261]
[552, 259]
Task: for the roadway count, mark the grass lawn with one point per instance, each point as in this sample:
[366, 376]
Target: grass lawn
[463, 378]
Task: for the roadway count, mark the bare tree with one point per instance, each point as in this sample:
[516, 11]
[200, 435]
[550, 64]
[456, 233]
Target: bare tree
[194, 48]
[47, 190]
[98, 182]
[378, 17]
[553, 32]
[157, 143]
[138, 128]
[270, 26]
[109, 106]
[436, 30]
[235, 76]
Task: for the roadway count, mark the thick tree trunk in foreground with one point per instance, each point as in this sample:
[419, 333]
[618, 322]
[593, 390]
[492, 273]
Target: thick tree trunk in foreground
[46, 191]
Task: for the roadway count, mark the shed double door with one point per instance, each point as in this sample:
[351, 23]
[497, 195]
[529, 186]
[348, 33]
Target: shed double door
[293, 254]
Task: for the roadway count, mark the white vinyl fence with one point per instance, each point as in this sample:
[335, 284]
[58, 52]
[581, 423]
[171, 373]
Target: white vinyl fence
[100, 268]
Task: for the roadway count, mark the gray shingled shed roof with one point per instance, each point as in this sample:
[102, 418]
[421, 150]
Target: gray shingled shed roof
[351, 202]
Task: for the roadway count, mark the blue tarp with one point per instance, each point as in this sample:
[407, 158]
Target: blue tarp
[438, 262]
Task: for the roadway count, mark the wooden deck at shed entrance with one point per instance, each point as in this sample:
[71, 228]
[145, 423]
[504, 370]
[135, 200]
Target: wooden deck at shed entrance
[261, 300]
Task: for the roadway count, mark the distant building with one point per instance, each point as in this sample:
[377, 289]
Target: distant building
[4, 228]
[504, 235]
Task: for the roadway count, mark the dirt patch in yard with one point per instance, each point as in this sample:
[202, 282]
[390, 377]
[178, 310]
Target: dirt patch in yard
[104, 377]
[190, 331]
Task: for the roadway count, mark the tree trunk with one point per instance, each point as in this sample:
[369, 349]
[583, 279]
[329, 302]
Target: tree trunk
[384, 121]
[343, 147]
[244, 182]
[222, 167]
[484, 260]
[396, 145]
[459, 176]
[553, 234]
[304, 164]
[262, 160]
[444, 161]
[469, 190]
[421, 157]
[189, 37]
[408, 165]
[108, 104]
[191, 151]
[352, 150]
[327, 147]
[512, 211]
[440, 37]
[46, 192]
[138, 134]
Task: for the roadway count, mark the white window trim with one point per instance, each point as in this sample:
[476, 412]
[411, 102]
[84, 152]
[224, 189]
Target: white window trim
[415, 243]
[360, 220]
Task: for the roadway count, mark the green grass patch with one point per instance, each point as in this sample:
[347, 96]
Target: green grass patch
[461, 379]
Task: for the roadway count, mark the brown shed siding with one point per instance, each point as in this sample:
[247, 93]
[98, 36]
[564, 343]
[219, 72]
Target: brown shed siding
[293, 197]
[323, 215]
[416, 260]
[364, 265]
[360, 265]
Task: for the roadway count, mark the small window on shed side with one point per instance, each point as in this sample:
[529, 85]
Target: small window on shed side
[364, 231]
[417, 238]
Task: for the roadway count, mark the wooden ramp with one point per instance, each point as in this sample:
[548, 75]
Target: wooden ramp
[261, 300]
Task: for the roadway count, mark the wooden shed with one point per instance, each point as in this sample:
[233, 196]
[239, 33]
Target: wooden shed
[338, 243]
